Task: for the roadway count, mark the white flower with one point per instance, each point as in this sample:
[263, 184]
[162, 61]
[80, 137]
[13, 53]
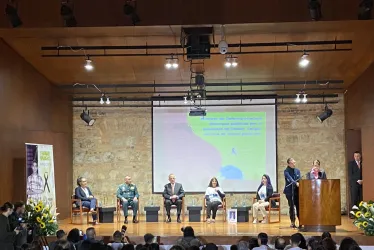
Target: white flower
[354, 207]
[352, 213]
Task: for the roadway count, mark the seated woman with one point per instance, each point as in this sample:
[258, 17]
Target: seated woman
[213, 195]
[83, 193]
[316, 172]
[264, 193]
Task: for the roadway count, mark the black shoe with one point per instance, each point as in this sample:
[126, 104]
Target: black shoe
[126, 221]
[179, 220]
[135, 220]
[168, 220]
[292, 225]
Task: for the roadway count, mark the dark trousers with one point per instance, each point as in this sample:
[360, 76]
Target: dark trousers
[356, 194]
[169, 203]
[292, 204]
[212, 206]
[133, 204]
[91, 205]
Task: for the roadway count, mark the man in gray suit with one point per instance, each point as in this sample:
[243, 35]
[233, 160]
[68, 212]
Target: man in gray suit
[173, 194]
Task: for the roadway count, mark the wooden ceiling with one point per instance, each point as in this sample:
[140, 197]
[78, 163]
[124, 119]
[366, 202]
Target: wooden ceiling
[342, 65]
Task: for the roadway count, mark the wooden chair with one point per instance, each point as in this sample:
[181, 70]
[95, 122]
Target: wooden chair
[119, 209]
[220, 207]
[76, 208]
[164, 215]
[277, 208]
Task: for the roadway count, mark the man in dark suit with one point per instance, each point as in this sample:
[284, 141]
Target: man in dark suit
[355, 178]
[292, 176]
[173, 194]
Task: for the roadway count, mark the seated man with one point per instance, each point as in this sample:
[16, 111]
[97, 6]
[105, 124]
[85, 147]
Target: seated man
[128, 194]
[173, 194]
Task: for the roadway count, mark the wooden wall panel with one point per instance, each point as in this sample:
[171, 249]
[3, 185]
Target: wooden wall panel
[360, 116]
[33, 111]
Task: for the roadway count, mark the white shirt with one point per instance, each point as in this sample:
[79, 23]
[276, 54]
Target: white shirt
[85, 190]
[213, 194]
[262, 247]
[262, 192]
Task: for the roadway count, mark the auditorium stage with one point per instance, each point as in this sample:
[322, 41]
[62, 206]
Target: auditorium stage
[219, 232]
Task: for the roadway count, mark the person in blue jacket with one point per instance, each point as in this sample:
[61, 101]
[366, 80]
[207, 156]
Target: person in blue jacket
[292, 176]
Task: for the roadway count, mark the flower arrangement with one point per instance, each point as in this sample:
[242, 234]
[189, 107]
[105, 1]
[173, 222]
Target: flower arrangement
[41, 218]
[364, 217]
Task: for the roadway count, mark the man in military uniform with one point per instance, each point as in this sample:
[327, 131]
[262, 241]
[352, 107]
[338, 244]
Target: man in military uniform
[128, 194]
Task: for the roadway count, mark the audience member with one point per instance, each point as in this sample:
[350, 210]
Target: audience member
[61, 235]
[128, 247]
[242, 245]
[16, 221]
[353, 247]
[188, 238]
[325, 235]
[280, 243]
[149, 239]
[74, 237]
[346, 243]
[328, 244]
[63, 245]
[210, 246]
[253, 242]
[233, 247]
[262, 240]
[7, 236]
[296, 242]
[177, 247]
[117, 238]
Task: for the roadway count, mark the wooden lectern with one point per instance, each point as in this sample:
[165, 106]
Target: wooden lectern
[319, 202]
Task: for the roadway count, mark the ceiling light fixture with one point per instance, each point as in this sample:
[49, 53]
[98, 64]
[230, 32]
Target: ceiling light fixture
[304, 100]
[326, 114]
[304, 61]
[85, 116]
[172, 63]
[297, 100]
[88, 66]
[107, 101]
[231, 62]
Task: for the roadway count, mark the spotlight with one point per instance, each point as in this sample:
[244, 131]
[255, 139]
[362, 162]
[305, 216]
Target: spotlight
[102, 99]
[107, 101]
[297, 100]
[227, 64]
[326, 114]
[171, 63]
[129, 9]
[304, 61]
[185, 100]
[68, 15]
[234, 63]
[231, 62]
[89, 66]
[168, 64]
[315, 9]
[85, 116]
[12, 14]
[175, 64]
[364, 11]
[305, 100]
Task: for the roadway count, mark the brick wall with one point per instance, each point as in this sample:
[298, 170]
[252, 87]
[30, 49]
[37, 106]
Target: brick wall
[120, 143]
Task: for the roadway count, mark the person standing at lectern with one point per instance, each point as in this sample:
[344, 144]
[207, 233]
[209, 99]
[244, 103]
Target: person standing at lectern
[316, 172]
[355, 179]
[173, 194]
[128, 194]
[291, 190]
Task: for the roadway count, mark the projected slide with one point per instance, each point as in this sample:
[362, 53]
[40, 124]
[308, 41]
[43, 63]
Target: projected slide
[236, 144]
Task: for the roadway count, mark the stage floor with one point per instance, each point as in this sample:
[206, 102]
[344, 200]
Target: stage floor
[219, 228]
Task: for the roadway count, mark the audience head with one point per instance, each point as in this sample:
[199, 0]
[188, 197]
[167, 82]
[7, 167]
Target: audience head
[262, 239]
[128, 247]
[61, 235]
[357, 156]
[298, 240]
[63, 245]
[213, 182]
[354, 248]
[253, 242]
[7, 209]
[325, 235]
[188, 231]
[232, 247]
[312, 243]
[91, 233]
[266, 180]
[280, 243]
[74, 235]
[172, 178]
[210, 246]
[128, 179]
[155, 246]
[346, 243]
[19, 207]
[291, 162]
[243, 245]
[148, 238]
[117, 236]
[328, 244]
[177, 247]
